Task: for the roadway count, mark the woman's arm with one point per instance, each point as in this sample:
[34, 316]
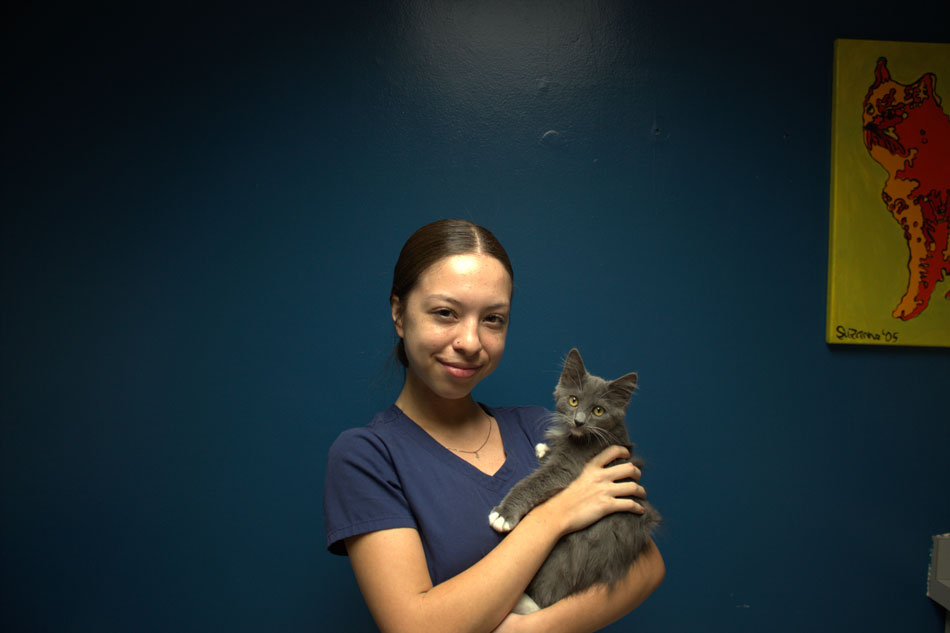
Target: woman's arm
[391, 570]
[595, 608]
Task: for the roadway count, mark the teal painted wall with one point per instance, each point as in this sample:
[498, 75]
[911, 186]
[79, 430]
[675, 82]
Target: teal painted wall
[201, 210]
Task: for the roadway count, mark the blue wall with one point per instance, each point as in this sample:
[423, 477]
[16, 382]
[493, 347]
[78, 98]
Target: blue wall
[200, 214]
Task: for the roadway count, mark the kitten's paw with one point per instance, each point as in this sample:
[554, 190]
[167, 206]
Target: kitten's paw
[525, 605]
[500, 523]
[540, 450]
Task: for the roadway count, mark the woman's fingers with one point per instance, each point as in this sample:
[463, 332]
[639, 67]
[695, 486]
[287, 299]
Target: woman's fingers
[622, 498]
[629, 489]
[624, 470]
[609, 454]
[624, 476]
[602, 489]
[612, 453]
[636, 473]
[629, 505]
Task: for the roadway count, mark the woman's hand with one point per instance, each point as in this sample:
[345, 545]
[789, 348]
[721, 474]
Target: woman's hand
[598, 491]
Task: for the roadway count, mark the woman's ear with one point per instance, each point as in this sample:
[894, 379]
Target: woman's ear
[396, 307]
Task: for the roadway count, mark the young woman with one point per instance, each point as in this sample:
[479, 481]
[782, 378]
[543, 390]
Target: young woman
[408, 497]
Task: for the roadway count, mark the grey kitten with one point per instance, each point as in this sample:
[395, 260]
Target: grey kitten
[589, 417]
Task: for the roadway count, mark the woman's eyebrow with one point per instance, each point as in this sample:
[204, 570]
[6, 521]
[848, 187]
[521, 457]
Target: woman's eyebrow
[501, 305]
[444, 298]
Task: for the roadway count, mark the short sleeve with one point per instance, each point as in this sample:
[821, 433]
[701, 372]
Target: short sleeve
[362, 491]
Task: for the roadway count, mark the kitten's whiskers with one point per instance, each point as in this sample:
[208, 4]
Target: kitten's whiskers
[603, 435]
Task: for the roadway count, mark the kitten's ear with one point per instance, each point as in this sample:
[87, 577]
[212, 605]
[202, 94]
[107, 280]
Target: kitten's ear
[574, 368]
[624, 386]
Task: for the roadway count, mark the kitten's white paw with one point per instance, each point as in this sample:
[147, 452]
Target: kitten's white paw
[540, 450]
[525, 605]
[499, 523]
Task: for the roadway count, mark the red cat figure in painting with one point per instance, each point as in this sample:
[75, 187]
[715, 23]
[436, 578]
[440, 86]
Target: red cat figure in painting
[907, 132]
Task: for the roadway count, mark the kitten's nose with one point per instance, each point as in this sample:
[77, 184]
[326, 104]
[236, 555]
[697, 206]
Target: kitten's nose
[580, 418]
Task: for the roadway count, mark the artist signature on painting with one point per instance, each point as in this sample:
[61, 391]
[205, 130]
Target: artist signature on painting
[855, 334]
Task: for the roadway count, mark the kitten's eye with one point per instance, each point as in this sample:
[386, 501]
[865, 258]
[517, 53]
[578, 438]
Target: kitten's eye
[572, 401]
[599, 411]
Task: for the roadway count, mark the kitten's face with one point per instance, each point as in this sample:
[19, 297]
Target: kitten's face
[589, 405]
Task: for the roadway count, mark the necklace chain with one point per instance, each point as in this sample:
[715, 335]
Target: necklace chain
[475, 452]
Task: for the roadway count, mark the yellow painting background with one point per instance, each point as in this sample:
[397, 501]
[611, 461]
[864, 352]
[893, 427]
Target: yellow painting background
[867, 270]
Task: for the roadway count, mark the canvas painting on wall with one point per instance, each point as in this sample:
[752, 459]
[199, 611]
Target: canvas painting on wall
[889, 247]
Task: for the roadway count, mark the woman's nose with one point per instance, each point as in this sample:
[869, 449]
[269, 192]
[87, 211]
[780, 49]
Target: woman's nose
[467, 339]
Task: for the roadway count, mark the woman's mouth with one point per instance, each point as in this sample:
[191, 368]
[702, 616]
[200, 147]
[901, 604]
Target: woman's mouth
[459, 371]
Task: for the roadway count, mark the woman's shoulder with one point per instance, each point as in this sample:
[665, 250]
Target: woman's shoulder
[531, 419]
[520, 413]
[374, 435]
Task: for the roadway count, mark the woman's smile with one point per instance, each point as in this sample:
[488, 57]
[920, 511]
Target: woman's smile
[460, 370]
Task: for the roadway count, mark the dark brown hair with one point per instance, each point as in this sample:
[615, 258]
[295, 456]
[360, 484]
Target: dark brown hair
[436, 241]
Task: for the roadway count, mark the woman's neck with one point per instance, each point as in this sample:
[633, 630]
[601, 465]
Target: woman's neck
[431, 411]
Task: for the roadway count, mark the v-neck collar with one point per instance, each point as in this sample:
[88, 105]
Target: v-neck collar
[453, 461]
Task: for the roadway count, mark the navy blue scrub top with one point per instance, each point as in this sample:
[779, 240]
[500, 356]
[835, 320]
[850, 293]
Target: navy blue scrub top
[392, 474]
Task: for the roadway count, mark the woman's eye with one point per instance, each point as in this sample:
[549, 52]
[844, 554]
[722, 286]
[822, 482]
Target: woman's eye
[443, 312]
[495, 319]
[599, 411]
[572, 401]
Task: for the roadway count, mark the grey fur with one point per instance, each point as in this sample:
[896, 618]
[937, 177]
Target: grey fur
[604, 551]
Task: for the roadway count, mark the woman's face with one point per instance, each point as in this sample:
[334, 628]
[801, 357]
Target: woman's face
[454, 322]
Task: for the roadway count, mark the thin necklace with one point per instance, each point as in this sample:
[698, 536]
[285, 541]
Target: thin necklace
[475, 452]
